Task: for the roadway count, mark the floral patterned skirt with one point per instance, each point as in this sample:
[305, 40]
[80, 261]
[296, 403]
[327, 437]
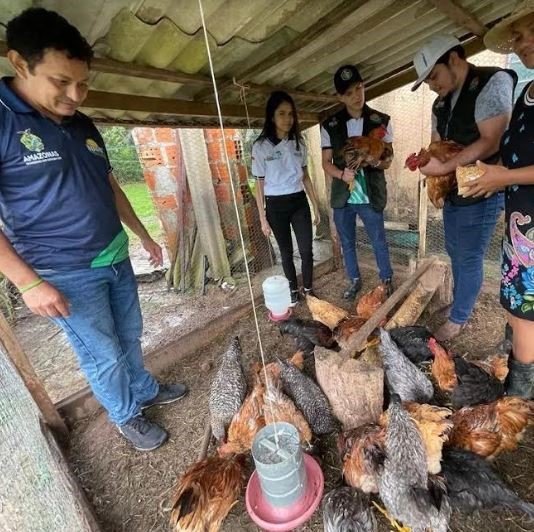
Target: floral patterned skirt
[517, 280]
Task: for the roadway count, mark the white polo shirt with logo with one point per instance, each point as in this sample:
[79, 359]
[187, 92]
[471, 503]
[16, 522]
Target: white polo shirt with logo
[279, 165]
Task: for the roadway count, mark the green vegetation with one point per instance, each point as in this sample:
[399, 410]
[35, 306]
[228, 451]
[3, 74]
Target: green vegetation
[139, 197]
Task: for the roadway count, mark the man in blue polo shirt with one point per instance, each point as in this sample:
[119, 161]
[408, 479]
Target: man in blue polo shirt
[63, 245]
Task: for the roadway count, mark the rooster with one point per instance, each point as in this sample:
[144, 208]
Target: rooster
[370, 149]
[246, 423]
[347, 510]
[362, 451]
[404, 378]
[228, 390]
[308, 398]
[370, 302]
[438, 187]
[325, 312]
[472, 484]
[206, 493]
[413, 342]
[488, 430]
[313, 331]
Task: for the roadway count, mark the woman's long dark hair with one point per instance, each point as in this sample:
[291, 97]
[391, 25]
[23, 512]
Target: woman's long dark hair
[269, 129]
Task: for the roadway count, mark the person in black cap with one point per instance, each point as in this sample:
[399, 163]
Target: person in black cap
[361, 192]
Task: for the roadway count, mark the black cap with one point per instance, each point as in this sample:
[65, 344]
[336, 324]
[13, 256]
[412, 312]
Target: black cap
[346, 76]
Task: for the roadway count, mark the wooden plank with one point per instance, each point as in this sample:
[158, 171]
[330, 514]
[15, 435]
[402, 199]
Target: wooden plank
[33, 384]
[168, 106]
[357, 341]
[461, 16]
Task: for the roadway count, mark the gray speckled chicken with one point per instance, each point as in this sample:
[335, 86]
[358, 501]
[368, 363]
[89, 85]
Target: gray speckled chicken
[404, 486]
[403, 377]
[228, 390]
[347, 510]
[308, 398]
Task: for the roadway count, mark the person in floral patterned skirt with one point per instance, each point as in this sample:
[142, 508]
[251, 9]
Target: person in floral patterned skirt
[516, 176]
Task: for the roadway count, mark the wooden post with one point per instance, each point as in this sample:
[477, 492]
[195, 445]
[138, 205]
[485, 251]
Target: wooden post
[422, 218]
[33, 384]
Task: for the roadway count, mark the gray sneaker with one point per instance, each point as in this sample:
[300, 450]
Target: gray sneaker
[168, 393]
[143, 434]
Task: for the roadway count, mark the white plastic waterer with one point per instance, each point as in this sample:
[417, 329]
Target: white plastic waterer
[277, 297]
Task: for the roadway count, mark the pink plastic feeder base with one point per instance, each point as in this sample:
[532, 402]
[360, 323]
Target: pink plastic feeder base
[274, 519]
[280, 317]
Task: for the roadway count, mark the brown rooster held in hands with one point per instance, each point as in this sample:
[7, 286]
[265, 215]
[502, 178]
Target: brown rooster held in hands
[488, 430]
[370, 149]
[206, 493]
[438, 187]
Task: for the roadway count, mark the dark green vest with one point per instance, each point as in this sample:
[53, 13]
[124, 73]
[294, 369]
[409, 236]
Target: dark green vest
[336, 127]
[460, 125]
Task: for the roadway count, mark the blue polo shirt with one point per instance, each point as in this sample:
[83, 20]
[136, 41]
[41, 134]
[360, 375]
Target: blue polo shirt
[56, 200]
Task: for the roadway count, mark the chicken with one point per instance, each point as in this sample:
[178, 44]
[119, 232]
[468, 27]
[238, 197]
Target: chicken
[246, 423]
[472, 484]
[403, 377]
[413, 342]
[370, 302]
[346, 328]
[206, 493]
[369, 149]
[314, 331]
[496, 365]
[228, 390]
[442, 367]
[347, 510]
[488, 430]
[434, 425]
[469, 382]
[438, 187]
[404, 486]
[325, 312]
[308, 398]
[474, 386]
[362, 452]
[279, 407]
[273, 369]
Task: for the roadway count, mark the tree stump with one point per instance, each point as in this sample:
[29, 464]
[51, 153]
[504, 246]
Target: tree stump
[354, 387]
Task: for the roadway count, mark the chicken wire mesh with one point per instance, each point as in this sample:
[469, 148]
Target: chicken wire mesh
[34, 494]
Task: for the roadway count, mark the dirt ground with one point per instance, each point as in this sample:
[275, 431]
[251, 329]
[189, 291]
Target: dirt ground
[130, 490]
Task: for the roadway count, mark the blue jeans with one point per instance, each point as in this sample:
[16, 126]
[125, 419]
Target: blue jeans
[468, 232]
[104, 328]
[373, 221]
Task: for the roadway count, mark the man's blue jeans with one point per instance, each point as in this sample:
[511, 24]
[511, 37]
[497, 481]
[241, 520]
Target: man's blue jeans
[104, 328]
[468, 232]
[373, 221]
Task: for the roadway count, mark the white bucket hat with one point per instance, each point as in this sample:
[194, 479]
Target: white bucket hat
[425, 59]
[499, 38]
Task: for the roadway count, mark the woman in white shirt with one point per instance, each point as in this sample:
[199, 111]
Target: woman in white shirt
[279, 165]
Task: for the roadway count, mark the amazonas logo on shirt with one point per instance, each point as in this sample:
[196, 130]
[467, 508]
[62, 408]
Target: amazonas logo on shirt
[94, 148]
[35, 144]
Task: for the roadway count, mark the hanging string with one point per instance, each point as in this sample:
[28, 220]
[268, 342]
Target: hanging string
[238, 218]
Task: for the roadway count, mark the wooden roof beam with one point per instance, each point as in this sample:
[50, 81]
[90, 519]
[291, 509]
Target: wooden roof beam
[461, 16]
[168, 106]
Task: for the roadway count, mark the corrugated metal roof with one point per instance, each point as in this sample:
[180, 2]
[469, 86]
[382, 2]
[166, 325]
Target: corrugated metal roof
[291, 44]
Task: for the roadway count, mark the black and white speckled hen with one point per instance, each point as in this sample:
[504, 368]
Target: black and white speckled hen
[413, 342]
[403, 377]
[228, 390]
[308, 398]
[347, 510]
[473, 484]
[404, 486]
[474, 385]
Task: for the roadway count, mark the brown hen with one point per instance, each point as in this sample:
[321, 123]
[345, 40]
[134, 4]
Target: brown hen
[438, 187]
[489, 430]
[346, 328]
[246, 423]
[370, 149]
[442, 367]
[206, 493]
[362, 453]
[370, 302]
[325, 312]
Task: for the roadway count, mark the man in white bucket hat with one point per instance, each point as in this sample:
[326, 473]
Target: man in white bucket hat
[473, 108]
